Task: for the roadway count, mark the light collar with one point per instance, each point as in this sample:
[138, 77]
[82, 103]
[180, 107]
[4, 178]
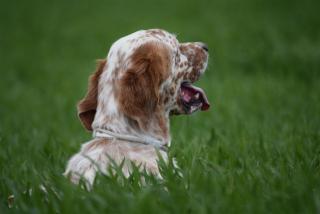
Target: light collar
[104, 133]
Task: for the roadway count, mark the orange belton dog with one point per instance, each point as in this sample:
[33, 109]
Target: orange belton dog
[146, 77]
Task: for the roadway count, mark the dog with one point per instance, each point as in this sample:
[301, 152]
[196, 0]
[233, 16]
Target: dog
[146, 77]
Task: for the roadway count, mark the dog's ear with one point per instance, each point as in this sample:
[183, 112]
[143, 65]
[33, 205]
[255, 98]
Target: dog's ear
[139, 87]
[88, 105]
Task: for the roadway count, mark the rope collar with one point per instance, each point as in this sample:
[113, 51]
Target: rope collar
[104, 133]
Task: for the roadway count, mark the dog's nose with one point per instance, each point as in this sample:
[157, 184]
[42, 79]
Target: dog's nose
[204, 46]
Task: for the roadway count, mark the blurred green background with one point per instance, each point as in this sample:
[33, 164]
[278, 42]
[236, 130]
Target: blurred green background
[256, 151]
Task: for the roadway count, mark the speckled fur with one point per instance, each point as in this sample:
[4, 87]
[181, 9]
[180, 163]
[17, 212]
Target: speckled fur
[167, 66]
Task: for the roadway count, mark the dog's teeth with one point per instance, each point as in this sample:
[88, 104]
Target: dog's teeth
[197, 95]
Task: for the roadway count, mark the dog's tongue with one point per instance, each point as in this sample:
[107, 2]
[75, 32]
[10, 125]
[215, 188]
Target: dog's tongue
[194, 96]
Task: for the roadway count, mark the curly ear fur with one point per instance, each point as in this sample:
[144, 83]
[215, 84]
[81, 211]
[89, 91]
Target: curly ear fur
[88, 105]
[139, 88]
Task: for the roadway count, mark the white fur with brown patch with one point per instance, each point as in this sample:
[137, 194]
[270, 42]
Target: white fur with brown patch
[95, 155]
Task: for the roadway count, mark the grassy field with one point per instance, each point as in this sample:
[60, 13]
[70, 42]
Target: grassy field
[256, 151]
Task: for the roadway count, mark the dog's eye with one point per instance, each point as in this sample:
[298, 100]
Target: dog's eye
[177, 53]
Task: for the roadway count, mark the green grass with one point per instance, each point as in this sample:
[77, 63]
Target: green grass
[256, 151]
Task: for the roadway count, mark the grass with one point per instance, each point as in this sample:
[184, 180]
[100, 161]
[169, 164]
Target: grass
[256, 151]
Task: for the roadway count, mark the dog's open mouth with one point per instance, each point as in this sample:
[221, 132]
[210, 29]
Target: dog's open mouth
[193, 98]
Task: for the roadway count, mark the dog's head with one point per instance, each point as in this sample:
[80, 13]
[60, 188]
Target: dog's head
[147, 73]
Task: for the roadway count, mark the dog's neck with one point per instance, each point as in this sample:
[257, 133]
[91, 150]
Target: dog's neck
[109, 117]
